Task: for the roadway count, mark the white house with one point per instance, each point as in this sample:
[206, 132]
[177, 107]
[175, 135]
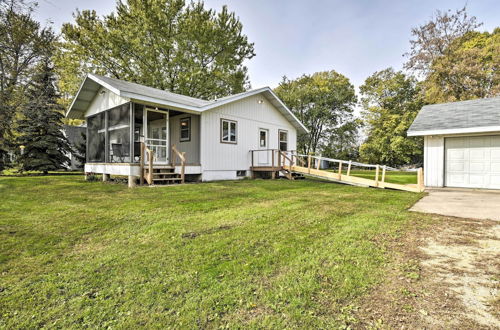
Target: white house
[216, 136]
[461, 143]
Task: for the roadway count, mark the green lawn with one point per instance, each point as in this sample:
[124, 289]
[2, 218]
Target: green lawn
[235, 254]
[390, 176]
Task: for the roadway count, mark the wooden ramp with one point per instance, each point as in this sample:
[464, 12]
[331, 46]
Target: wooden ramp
[349, 179]
[290, 164]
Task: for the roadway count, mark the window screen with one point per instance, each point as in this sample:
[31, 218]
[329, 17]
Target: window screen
[119, 134]
[96, 138]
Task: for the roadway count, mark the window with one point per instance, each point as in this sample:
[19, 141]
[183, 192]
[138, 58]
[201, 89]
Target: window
[185, 129]
[228, 131]
[283, 140]
[263, 138]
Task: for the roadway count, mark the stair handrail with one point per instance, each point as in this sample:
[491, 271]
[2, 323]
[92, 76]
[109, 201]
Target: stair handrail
[285, 157]
[182, 157]
[145, 151]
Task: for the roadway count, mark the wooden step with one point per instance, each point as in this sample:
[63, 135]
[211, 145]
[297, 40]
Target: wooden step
[166, 174]
[166, 179]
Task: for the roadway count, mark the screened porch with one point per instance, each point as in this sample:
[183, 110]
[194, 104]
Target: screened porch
[114, 136]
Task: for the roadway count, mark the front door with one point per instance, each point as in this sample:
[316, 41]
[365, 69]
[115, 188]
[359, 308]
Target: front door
[156, 123]
[263, 146]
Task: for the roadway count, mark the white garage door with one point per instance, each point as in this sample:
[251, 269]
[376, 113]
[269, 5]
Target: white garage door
[473, 162]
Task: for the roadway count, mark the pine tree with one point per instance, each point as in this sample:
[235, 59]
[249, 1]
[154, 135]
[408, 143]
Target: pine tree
[41, 139]
[80, 150]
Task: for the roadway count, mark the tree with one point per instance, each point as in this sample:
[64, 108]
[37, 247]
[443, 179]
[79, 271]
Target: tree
[322, 101]
[40, 128]
[468, 69]
[391, 101]
[23, 43]
[165, 44]
[80, 152]
[343, 141]
[433, 38]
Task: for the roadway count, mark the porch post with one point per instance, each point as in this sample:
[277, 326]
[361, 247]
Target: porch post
[106, 137]
[132, 181]
[132, 128]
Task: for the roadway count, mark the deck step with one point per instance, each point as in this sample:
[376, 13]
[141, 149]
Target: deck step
[166, 174]
[166, 179]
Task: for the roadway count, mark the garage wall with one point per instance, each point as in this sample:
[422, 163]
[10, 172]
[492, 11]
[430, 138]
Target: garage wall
[434, 161]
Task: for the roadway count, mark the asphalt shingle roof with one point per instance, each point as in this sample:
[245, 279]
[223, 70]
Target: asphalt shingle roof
[457, 115]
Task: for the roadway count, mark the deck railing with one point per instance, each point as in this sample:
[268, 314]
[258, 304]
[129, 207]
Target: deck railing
[276, 157]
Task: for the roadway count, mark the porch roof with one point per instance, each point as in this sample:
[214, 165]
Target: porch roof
[140, 93]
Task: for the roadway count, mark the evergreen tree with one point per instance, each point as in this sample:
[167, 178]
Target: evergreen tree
[80, 152]
[45, 148]
[23, 43]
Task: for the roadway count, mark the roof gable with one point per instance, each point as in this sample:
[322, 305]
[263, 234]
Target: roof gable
[469, 116]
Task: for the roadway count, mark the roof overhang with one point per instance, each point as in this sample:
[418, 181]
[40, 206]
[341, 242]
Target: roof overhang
[91, 85]
[86, 93]
[271, 97]
[469, 130]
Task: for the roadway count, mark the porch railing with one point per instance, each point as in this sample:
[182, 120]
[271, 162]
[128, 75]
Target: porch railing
[182, 156]
[146, 152]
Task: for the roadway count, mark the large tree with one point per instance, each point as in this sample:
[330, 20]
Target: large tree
[432, 39]
[23, 43]
[40, 131]
[167, 44]
[468, 69]
[390, 101]
[322, 101]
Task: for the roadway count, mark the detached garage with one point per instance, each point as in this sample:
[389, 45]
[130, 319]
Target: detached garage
[461, 143]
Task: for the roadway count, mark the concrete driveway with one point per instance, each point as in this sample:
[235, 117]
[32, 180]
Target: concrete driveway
[463, 203]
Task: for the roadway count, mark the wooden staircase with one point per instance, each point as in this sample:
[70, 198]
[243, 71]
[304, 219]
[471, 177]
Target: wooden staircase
[161, 174]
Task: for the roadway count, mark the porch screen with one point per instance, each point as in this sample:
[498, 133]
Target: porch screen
[119, 134]
[96, 138]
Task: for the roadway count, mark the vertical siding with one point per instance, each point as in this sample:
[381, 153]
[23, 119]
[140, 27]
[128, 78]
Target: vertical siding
[192, 147]
[434, 161]
[104, 101]
[250, 116]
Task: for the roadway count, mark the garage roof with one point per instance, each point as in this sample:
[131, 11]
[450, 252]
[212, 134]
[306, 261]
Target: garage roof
[141, 93]
[474, 116]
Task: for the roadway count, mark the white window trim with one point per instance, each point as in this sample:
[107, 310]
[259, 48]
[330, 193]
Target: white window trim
[229, 121]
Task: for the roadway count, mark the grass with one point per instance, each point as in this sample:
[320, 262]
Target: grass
[273, 253]
[400, 177]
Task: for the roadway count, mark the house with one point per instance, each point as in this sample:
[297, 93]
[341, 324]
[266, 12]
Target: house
[461, 143]
[75, 138]
[228, 138]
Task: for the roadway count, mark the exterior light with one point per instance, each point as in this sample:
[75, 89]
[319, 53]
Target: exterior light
[260, 101]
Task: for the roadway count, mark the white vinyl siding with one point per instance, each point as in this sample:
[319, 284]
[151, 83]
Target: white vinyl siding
[473, 162]
[433, 161]
[250, 115]
[104, 100]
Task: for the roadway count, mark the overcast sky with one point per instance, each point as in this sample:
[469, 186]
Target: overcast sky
[292, 37]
